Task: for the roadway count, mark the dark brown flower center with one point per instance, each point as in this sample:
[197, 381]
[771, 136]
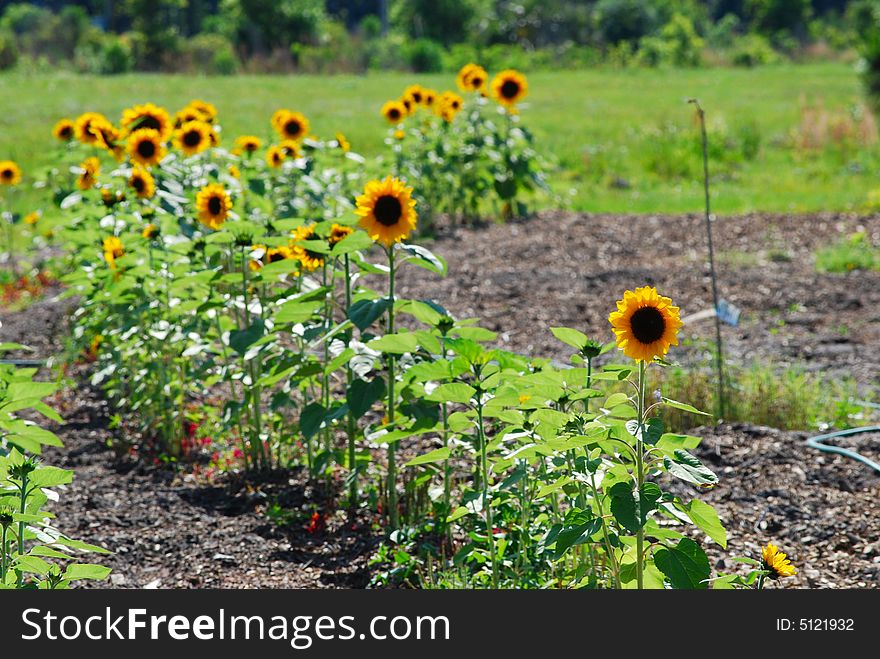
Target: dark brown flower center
[66, 132]
[149, 121]
[192, 138]
[476, 82]
[276, 256]
[138, 184]
[394, 114]
[417, 97]
[6, 173]
[292, 127]
[215, 205]
[388, 210]
[146, 149]
[510, 89]
[647, 324]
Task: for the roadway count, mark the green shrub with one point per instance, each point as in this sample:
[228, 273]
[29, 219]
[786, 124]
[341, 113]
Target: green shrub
[625, 20]
[211, 54]
[854, 253]
[8, 50]
[116, 56]
[424, 56]
[753, 50]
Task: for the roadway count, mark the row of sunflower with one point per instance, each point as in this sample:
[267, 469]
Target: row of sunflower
[260, 304]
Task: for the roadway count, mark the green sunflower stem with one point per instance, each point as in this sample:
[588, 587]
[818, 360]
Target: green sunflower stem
[352, 421]
[640, 476]
[392, 458]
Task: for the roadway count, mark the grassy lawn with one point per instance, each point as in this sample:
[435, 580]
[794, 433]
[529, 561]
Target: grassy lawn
[624, 140]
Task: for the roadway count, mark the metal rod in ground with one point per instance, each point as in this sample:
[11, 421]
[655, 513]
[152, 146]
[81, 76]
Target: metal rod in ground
[719, 350]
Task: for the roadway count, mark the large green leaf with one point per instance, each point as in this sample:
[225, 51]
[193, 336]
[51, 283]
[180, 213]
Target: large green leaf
[688, 468]
[569, 336]
[362, 394]
[241, 340]
[437, 455]
[631, 508]
[685, 565]
[364, 313]
[706, 518]
[396, 344]
[453, 392]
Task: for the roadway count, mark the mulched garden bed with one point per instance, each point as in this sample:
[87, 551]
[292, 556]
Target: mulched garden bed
[169, 530]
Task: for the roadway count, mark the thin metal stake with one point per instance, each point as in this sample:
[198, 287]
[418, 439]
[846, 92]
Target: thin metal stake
[719, 354]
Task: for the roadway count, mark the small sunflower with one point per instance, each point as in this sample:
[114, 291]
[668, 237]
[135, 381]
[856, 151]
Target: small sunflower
[248, 143]
[399, 135]
[213, 204]
[338, 233]
[471, 78]
[448, 105]
[193, 137]
[407, 104]
[394, 112]
[310, 260]
[645, 324]
[88, 176]
[141, 181]
[206, 111]
[147, 116]
[414, 93]
[280, 253]
[234, 171]
[151, 232]
[275, 156]
[113, 249]
[64, 130]
[429, 97]
[342, 143]
[33, 217]
[387, 210]
[10, 173]
[290, 125]
[186, 115]
[83, 126]
[111, 197]
[145, 146]
[291, 149]
[777, 563]
[509, 88]
[108, 137]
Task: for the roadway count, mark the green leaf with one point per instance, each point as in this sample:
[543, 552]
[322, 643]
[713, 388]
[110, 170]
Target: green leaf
[51, 476]
[353, 242]
[311, 419]
[395, 343]
[241, 340]
[685, 565]
[706, 518]
[571, 337]
[423, 257]
[578, 529]
[437, 455]
[689, 469]
[683, 406]
[76, 571]
[297, 311]
[364, 313]
[453, 392]
[362, 394]
[631, 509]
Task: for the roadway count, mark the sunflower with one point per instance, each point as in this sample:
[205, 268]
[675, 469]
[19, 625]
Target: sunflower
[338, 233]
[151, 232]
[471, 78]
[394, 112]
[429, 97]
[310, 260]
[399, 135]
[88, 177]
[280, 253]
[645, 323]
[141, 181]
[414, 93]
[205, 111]
[113, 249]
[509, 88]
[108, 137]
[290, 148]
[145, 146]
[193, 137]
[448, 105]
[777, 563]
[83, 126]
[33, 217]
[248, 143]
[111, 197]
[213, 203]
[186, 115]
[275, 156]
[147, 116]
[10, 173]
[407, 104]
[342, 143]
[387, 210]
[234, 171]
[64, 130]
[290, 125]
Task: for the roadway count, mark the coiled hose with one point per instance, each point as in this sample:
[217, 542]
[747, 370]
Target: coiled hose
[817, 441]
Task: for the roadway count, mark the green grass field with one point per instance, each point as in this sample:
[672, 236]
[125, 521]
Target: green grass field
[624, 140]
